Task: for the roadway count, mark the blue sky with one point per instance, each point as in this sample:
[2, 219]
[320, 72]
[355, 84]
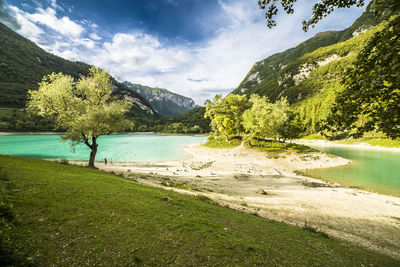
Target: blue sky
[196, 48]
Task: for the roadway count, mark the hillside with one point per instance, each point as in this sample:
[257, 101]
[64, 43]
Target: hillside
[264, 75]
[309, 74]
[164, 102]
[74, 216]
[23, 64]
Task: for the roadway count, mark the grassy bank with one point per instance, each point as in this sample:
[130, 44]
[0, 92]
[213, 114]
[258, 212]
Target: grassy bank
[69, 215]
[372, 140]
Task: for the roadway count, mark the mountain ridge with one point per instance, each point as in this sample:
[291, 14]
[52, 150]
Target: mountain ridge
[165, 102]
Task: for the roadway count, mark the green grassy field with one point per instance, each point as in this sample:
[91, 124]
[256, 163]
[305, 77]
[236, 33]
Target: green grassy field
[74, 216]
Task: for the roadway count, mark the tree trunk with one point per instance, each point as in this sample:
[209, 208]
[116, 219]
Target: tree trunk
[226, 138]
[93, 147]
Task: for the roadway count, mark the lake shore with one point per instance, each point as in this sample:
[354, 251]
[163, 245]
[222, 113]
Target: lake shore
[258, 183]
[30, 133]
[339, 144]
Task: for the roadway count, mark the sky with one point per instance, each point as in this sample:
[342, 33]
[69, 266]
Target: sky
[196, 48]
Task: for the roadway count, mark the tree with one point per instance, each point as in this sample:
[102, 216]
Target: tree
[271, 120]
[257, 120]
[292, 127]
[226, 114]
[371, 98]
[382, 9]
[84, 108]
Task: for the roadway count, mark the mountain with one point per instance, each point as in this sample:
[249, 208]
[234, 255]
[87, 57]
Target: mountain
[165, 102]
[23, 65]
[309, 75]
[264, 77]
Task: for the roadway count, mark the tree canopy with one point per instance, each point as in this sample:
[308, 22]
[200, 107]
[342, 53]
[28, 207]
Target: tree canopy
[84, 108]
[382, 9]
[371, 98]
[226, 114]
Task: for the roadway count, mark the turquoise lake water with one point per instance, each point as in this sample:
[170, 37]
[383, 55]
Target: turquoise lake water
[370, 169]
[121, 147]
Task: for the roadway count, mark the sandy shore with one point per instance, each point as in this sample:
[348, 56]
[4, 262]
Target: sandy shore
[257, 182]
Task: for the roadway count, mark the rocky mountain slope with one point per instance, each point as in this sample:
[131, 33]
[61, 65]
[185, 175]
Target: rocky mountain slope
[164, 102]
[265, 77]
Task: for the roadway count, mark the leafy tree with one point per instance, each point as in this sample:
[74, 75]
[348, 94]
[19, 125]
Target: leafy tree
[271, 120]
[371, 99]
[257, 120]
[226, 114]
[382, 8]
[85, 108]
[292, 127]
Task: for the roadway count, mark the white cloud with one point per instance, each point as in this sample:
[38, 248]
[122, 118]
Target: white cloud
[62, 25]
[95, 36]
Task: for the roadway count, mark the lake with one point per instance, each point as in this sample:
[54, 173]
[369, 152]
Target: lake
[370, 169]
[119, 147]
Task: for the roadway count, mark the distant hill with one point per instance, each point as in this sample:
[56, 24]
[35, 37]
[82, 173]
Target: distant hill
[164, 102]
[309, 74]
[23, 65]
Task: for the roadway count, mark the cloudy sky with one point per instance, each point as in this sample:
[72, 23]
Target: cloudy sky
[196, 48]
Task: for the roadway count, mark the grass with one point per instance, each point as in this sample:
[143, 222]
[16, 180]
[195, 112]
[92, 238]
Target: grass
[220, 142]
[277, 149]
[374, 141]
[314, 137]
[74, 216]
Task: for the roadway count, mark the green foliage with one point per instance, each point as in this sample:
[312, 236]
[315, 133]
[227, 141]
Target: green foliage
[13, 119]
[226, 114]
[74, 216]
[85, 109]
[220, 142]
[373, 141]
[271, 145]
[191, 122]
[371, 98]
[267, 120]
[270, 69]
[381, 9]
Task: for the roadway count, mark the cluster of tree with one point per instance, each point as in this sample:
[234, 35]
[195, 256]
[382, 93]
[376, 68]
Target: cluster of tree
[192, 122]
[14, 119]
[256, 117]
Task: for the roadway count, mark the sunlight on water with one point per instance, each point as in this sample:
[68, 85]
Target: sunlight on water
[121, 147]
[370, 169]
